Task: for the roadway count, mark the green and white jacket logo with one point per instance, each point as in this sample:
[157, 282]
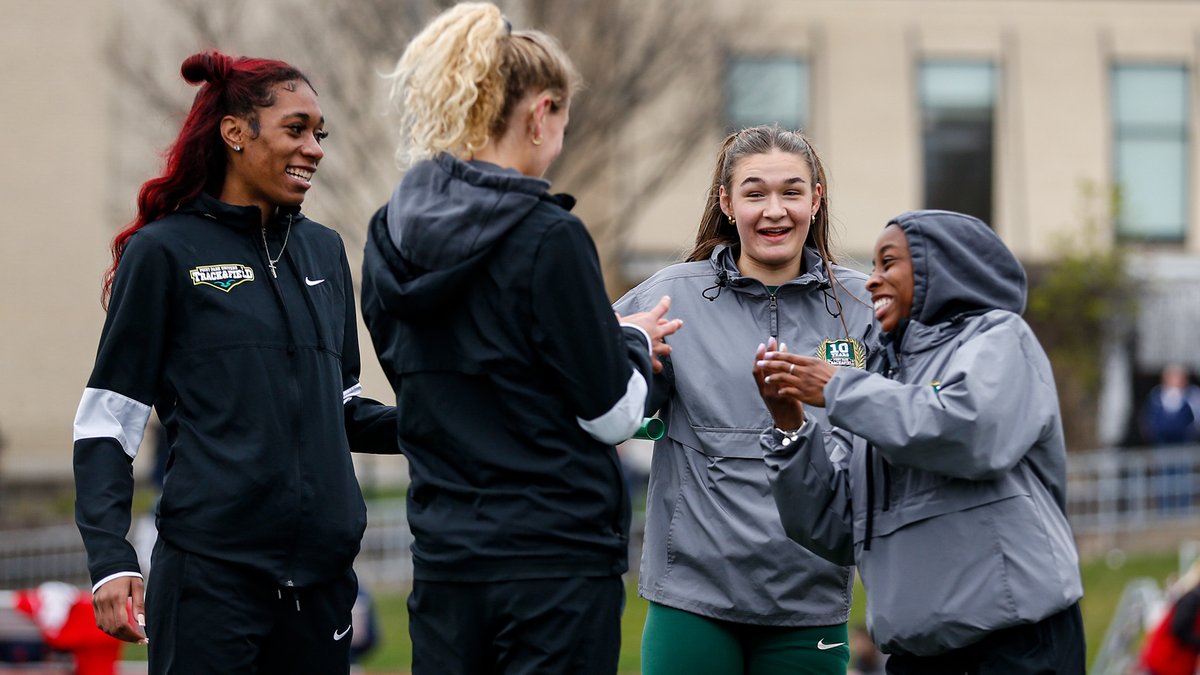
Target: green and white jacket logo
[848, 352]
[224, 277]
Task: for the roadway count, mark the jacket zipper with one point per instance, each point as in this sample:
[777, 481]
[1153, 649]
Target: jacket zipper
[294, 405]
[774, 314]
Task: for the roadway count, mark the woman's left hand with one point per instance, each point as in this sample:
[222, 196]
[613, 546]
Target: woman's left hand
[801, 377]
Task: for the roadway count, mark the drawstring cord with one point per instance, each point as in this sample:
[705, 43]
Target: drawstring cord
[295, 593]
[870, 497]
[892, 364]
[722, 282]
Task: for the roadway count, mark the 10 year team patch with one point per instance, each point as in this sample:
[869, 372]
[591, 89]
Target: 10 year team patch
[223, 277]
[846, 353]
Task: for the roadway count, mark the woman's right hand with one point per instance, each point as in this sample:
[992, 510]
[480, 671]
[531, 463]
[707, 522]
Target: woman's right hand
[786, 410]
[658, 327]
[111, 604]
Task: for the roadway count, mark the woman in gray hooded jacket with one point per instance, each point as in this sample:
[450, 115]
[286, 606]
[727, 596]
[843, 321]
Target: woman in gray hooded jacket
[729, 592]
[950, 495]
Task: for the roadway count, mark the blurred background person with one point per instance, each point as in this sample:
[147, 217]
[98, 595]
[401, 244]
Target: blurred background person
[1170, 418]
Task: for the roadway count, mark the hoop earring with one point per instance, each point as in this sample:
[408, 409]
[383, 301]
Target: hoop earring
[537, 140]
[732, 221]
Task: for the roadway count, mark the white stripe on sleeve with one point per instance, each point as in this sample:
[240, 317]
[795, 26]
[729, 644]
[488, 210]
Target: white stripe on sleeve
[110, 577]
[351, 393]
[624, 418]
[107, 414]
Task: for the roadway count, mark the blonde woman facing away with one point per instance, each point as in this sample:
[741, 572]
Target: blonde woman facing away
[485, 302]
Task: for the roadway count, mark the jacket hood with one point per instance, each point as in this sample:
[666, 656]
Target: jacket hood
[446, 210]
[440, 224]
[959, 266]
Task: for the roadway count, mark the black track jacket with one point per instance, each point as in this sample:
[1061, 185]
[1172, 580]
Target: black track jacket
[255, 380]
[490, 319]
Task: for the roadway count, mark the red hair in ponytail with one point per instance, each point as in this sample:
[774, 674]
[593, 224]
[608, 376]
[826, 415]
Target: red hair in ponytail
[196, 161]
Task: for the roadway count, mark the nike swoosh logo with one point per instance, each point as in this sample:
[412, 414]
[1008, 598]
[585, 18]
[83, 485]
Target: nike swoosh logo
[313, 282]
[822, 646]
[336, 634]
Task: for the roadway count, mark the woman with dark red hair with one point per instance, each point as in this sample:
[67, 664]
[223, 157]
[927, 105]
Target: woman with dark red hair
[232, 315]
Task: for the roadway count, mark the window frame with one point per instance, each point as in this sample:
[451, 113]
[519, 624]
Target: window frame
[1142, 131]
[804, 85]
[927, 113]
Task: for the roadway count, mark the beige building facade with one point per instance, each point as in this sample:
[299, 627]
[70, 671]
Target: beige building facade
[1052, 109]
[878, 85]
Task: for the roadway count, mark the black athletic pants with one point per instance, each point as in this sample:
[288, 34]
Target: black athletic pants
[205, 616]
[1052, 646]
[544, 626]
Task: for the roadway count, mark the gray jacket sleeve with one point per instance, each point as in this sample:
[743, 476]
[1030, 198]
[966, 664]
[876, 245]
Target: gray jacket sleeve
[812, 492]
[993, 401]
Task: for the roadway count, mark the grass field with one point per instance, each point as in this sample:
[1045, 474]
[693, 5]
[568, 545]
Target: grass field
[1102, 590]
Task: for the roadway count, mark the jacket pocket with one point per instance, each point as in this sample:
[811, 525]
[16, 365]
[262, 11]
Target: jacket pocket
[939, 583]
[713, 441]
[916, 498]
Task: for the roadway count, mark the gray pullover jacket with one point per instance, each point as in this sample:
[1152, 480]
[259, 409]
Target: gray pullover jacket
[714, 544]
[950, 495]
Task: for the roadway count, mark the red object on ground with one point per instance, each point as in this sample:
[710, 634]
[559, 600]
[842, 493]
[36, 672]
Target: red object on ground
[1173, 647]
[64, 617]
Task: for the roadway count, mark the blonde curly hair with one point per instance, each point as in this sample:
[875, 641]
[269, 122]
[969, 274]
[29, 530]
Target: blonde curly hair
[459, 79]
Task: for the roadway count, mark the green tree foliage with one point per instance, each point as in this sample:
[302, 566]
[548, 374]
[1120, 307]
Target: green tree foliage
[1078, 302]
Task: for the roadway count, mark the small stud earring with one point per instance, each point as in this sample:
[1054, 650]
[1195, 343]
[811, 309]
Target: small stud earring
[237, 148]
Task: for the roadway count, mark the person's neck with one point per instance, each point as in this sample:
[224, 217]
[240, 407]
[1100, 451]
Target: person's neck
[767, 274]
[505, 152]
[234, 197]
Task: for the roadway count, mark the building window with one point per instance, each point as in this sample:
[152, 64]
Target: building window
[958, 102]
[766, 90]
[1150, 115]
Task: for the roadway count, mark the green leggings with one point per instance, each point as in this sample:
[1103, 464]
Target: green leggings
[676, 642]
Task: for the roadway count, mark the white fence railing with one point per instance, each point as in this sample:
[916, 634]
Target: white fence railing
[1125, 489]
[1108, 491]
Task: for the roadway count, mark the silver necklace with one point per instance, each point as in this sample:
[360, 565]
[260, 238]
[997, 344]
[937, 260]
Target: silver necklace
[271, 261]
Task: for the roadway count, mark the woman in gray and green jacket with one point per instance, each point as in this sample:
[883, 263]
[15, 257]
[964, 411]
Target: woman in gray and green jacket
[729, 592]
[950, 496]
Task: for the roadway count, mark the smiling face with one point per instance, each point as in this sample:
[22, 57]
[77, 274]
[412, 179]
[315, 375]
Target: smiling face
[772, 198]
[280, 150]
[891, 282]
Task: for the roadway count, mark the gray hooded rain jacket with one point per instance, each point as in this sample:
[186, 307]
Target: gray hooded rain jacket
[714, 545]
[950, 496]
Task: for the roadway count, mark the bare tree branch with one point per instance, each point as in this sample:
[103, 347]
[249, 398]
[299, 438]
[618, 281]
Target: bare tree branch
[632, 54]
